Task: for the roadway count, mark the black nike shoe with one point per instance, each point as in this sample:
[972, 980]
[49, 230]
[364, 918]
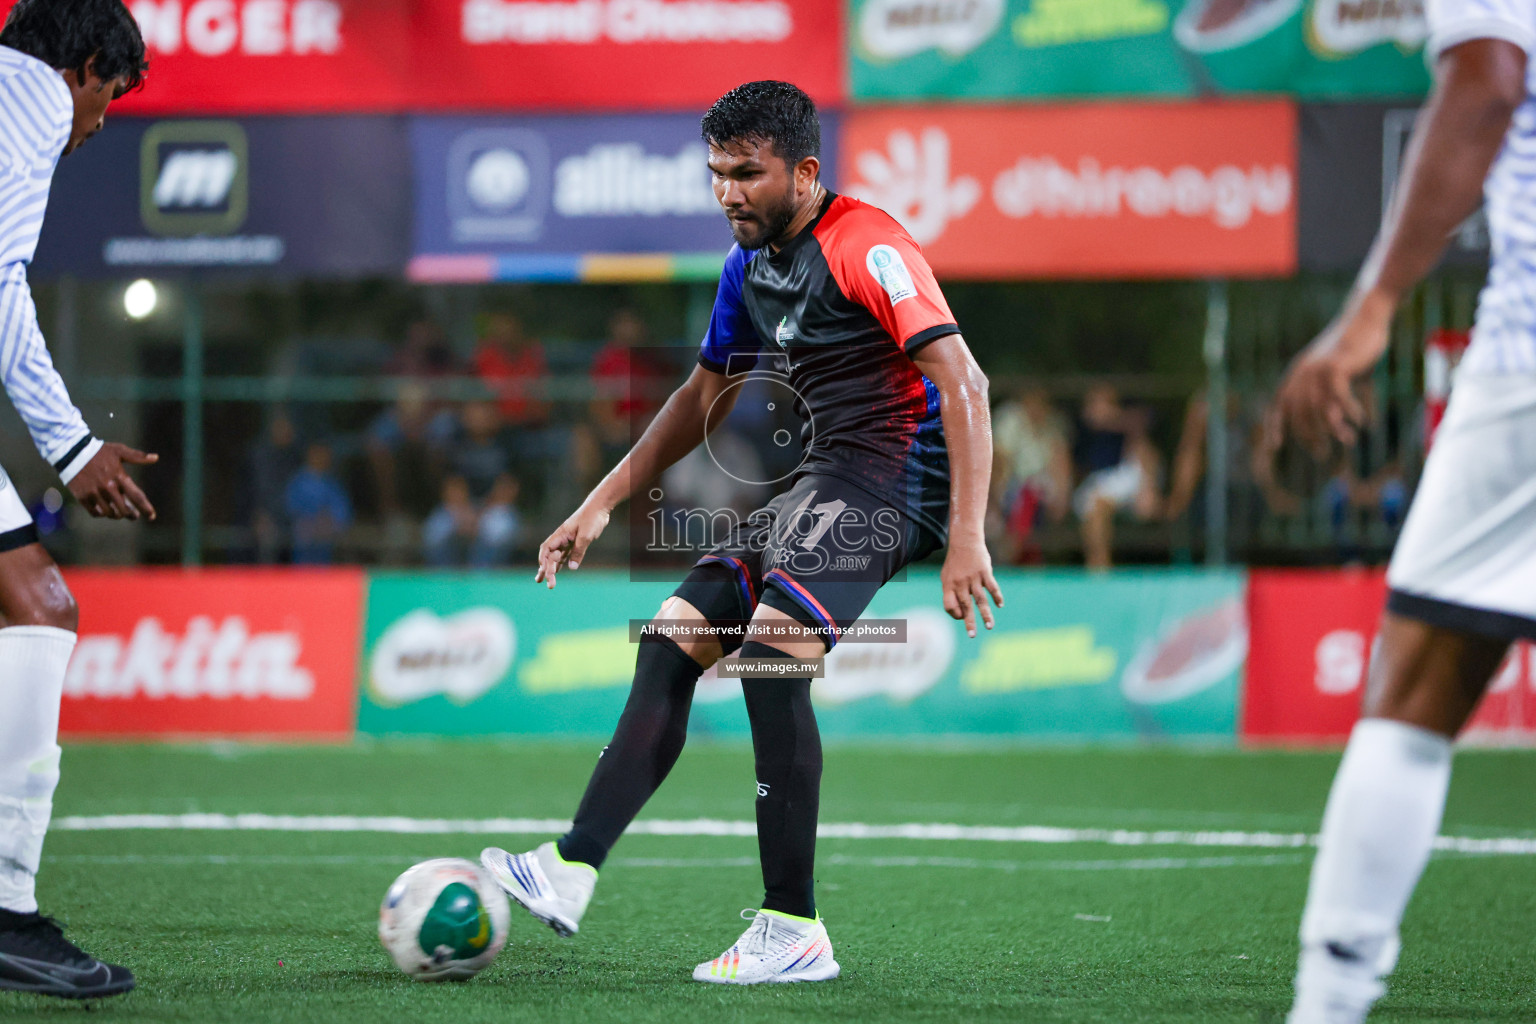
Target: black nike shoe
[36, 957]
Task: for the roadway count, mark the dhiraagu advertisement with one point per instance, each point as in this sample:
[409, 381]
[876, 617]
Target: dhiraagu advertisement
[1134, 655]
[919, 49]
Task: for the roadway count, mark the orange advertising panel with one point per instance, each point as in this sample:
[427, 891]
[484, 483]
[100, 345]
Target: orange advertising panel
[214, 653]
[1114, 190]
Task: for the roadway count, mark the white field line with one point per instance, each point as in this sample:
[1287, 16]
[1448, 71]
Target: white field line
[1035, 834]
[694, 863]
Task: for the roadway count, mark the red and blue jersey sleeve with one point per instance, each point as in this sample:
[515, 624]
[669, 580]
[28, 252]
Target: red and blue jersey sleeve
[731, 345]
[879, 266]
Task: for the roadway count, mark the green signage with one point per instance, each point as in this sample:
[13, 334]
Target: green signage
[1149, 655]
[994, 49]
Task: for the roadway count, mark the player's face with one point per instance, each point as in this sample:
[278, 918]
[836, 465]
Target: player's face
[92, 96]
[756, 188]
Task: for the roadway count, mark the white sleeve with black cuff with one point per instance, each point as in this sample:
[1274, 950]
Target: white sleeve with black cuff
[36, 114]
[1452, 22]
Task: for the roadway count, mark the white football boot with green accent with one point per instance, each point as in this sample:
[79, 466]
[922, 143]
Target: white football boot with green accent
[551, 888]
[777, 948]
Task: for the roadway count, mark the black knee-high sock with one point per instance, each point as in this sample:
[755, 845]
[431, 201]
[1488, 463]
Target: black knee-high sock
[787, 748]
[644, 748]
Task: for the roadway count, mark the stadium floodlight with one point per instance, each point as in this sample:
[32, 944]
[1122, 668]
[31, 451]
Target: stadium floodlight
[140, 299]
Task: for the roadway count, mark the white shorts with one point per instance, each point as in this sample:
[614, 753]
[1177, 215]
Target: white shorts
[1466, 560]
[1119, 484]
[16, 527]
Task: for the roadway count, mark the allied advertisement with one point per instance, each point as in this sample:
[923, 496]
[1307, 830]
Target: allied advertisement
[232, 57]
[1044, 49]
[168, 653]
[1115, 190]
[568, 198]
[323, 196]
[1154, 655]
[1314, 633]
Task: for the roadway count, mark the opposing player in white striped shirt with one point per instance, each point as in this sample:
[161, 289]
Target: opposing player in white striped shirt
[62, 63]
[1463, 577]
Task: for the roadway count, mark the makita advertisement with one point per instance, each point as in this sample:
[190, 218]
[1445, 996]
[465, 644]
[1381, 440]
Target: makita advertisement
[540, 197]
[327, 196]
[221, 653]
[374, 56]
[1110, 190]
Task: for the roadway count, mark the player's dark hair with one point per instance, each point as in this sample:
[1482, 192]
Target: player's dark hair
[774, 112]
[66, 34]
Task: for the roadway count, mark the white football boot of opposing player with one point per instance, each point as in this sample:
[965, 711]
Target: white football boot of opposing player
[551, 888]
[1330, 992]
[777, 948]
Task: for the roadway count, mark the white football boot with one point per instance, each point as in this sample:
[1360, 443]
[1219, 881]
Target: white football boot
[551, 888]
[777, 948]
[1331, 992]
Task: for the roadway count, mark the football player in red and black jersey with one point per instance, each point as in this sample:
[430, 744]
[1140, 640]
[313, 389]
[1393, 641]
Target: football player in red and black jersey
[897, 456]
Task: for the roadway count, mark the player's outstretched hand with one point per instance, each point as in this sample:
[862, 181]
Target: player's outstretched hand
[1317, 400]
[104, 488]
[567, 546]
[967, 580]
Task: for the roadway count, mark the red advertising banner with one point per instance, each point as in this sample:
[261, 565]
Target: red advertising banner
[1312, 634]
[1109, 190]
[215, 653]
[371, 56]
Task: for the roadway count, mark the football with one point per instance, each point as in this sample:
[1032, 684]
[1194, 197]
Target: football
[444, 920]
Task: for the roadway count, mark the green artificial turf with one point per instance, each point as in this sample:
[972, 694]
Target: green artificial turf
[243, 927]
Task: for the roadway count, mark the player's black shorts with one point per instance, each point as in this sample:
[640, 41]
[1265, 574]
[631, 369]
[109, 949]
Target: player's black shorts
[818, 552]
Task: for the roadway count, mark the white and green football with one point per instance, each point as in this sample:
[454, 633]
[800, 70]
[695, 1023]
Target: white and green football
[444, 920]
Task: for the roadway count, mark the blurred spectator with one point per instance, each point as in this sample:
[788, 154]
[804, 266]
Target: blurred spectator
[1118, 467]
[1032, 470]
[317, 507]
[631, 386]
[272, 463]
[725, 473]
[407, 448]
[512, 365]
[1368, 480]
[1252, 479]
[477, 522]
[465, 532]
[424, 353]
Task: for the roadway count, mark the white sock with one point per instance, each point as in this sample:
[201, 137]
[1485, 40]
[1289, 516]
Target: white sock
[1383, 815]
[32, 664]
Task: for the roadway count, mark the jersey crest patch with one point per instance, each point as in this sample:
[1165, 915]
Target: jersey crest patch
[890, 270]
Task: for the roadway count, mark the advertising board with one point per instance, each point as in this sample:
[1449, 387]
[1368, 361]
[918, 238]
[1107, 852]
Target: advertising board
[327, 196]
[215, 653]
[1124, 190]
[242, 57]
[569, 198]
[1136, 656]
[1053, 49]
[1314, 633]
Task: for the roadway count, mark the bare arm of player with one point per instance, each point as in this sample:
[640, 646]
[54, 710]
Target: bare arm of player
[967, 576]
[691, 413]
[1478, 86]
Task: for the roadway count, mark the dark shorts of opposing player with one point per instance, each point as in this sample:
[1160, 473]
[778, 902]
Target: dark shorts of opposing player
[818, 553]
